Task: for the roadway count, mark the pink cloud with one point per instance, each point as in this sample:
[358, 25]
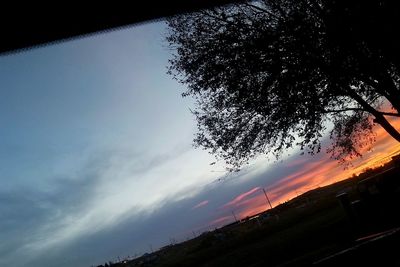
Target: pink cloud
[201, 204]
[221, 221]
[240, 197]
[323, 171]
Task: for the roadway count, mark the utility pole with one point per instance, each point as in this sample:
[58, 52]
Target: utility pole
[266, 196]
[234, 216]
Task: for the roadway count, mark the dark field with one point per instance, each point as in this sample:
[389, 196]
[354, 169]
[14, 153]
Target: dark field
[319, 228]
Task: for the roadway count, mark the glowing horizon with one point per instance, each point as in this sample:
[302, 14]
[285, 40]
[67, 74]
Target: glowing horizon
[312, 175]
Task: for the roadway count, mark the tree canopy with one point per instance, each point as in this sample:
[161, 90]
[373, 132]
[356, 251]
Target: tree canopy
[270, 75]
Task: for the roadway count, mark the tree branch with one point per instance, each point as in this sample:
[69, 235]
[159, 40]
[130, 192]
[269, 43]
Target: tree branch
[389, 114]
[379, 118]
[218, 18]
[262, 10]
[342, 110]
[206, 13]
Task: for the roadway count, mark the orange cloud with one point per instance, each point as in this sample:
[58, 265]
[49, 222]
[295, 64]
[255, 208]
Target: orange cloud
[311, 173]
[255, 205]
[320, 171]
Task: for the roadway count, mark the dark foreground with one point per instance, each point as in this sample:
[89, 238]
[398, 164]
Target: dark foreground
[353, 222]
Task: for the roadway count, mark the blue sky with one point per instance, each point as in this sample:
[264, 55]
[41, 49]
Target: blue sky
[94, 138]
[96, 156]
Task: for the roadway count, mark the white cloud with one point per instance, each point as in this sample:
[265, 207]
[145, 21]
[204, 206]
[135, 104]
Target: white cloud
[117, 187]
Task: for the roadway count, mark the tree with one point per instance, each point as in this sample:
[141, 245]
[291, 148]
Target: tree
[268, 75]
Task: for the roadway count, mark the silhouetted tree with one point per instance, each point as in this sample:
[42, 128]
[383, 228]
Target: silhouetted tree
[268, 75]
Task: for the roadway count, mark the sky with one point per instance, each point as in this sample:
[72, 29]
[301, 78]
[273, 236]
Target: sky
[97, 162]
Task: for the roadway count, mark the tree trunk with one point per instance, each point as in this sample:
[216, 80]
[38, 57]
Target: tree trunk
[393, 93]
[379, 118]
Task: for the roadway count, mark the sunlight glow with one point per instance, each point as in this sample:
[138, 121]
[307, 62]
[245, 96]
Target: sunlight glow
[314, 174]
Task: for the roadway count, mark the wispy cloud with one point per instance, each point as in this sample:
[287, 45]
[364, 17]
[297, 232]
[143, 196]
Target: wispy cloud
[240, 197]
[201, 204]
[222, 221]
[107, 190]
[118, 198]
[302, 173]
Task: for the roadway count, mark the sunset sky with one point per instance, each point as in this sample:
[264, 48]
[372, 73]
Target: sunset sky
[96, 156]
